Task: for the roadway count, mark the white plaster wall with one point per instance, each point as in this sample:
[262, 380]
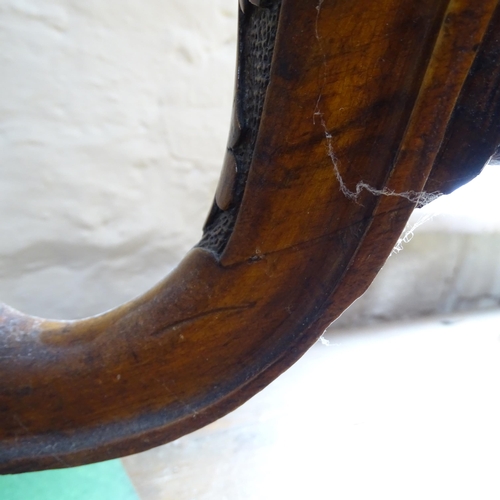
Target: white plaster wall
[113, 122]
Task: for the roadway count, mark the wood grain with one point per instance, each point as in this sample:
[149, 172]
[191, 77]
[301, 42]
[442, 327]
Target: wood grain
[344, 112]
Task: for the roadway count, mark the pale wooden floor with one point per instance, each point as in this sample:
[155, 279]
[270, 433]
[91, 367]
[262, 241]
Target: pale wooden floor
[406, 411]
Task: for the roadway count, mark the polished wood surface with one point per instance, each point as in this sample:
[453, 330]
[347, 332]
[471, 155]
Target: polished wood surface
[347, 114]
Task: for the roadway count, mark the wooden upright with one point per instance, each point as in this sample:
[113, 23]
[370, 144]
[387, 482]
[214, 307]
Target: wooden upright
[347, 114]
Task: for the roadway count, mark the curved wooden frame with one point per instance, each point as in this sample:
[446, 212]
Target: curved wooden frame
[347, 114]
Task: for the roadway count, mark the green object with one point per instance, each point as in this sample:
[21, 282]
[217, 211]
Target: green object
[102, 481]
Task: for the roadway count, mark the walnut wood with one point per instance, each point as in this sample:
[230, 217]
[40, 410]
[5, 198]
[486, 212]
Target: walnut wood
[401, 96]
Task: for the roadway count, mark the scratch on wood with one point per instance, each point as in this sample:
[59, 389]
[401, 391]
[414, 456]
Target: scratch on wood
[195, 317]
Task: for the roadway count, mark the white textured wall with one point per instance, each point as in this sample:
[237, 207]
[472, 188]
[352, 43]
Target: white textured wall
[113, 122]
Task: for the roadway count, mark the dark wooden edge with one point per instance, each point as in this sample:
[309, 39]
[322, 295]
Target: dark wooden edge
[345, 113]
